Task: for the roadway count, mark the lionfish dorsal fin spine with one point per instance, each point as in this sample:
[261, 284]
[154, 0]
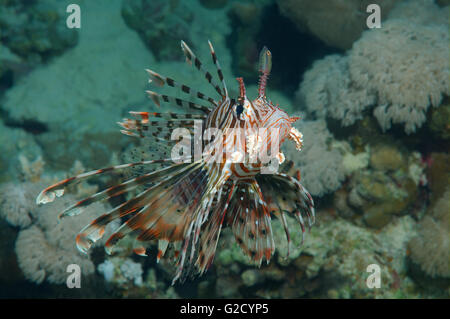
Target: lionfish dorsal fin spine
[192, 59]
[157, 98]
[219, 69]
[162, 80]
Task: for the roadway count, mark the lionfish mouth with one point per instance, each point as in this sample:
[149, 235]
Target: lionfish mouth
[184, 205]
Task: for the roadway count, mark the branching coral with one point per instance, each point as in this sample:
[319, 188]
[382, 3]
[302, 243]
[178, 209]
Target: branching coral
[327, 90]
[399, 70]
[407, 65]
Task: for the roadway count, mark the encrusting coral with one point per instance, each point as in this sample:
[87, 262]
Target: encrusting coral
[389, 185]
[399, 71]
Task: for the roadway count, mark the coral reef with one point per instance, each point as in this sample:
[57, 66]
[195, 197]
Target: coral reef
[328, 90]
[319, 163]
[438, 174]
[430, 11]
[160, 24]
[407, 66]
[16, 206]
[47, 247]
[15, 142]
[347, 18]
[332, 263]
[381, 197]
[440, 121]
[35, 30]
[387, 187]
[431, 247]
[399, 71]
[121, 271]
[128, 276]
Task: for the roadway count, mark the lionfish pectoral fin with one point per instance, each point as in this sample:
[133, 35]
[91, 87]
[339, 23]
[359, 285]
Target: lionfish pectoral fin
[293, 199]
[96, 229]
[157, 212]
[250, 221]
[211, 229]
[49, 194]
[204, 224]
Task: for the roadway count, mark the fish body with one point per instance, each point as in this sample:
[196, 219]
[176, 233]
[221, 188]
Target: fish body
[225, 177]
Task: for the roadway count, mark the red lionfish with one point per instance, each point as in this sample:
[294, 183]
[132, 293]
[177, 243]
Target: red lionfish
[186, 203]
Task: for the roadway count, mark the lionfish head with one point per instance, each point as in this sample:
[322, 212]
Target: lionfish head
[261, 110]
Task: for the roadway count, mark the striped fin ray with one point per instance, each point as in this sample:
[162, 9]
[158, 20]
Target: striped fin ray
[95, 230]
[251, 222]
[121, 188]
[57, 190]
[217, 177]
[211, 231]
[161, 80]
[162, 129]
[281, 216]
[157, 98]
[145, 116]
[219, 69]
[166, 209]
[294, 199]
[159, 131]
[192, 59]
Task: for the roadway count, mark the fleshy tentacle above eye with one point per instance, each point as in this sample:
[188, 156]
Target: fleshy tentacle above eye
[265, 66]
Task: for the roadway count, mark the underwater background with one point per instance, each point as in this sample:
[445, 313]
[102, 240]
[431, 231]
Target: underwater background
[375, 115]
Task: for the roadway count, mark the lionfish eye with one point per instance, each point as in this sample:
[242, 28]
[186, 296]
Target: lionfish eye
[239, 110]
